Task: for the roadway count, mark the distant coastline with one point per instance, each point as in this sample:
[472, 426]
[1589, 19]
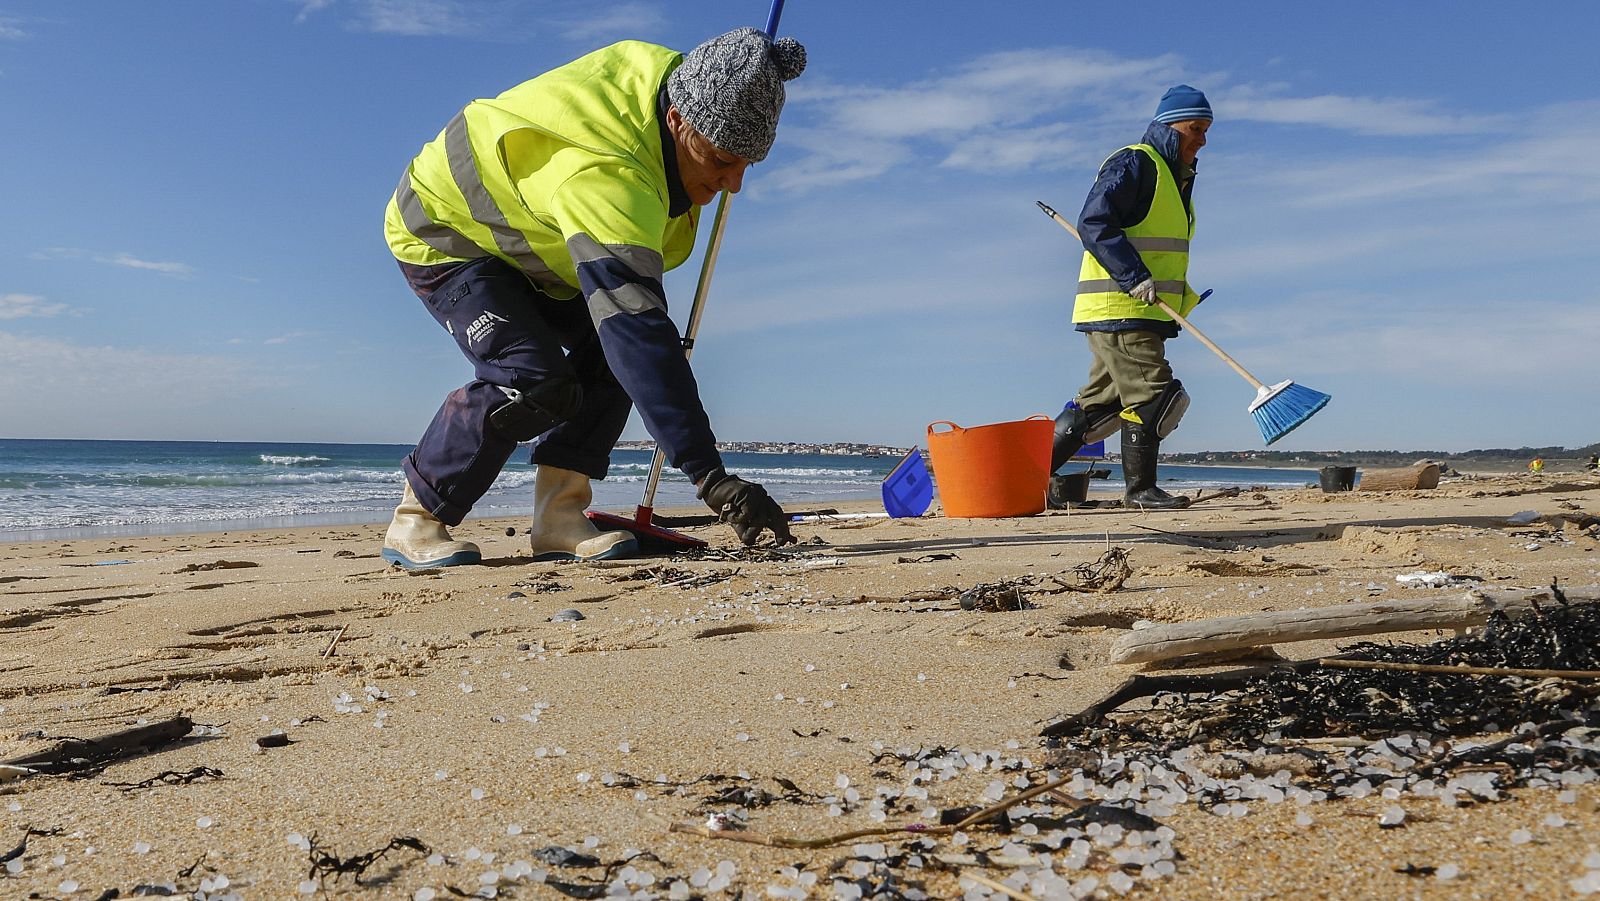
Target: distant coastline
[1486, 460]
[1490, 460]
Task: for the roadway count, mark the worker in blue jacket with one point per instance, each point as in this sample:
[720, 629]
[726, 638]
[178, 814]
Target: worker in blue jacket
[1136, 226]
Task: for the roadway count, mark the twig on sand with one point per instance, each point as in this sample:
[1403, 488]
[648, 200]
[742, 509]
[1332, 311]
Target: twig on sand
[1438, 669]
[1332, 741]
[1104, 575]
[780, 841]
[1182, 537]
[335, 642]
[997, 886]
[909, 597]
[1440, 761]
[1201, 497]
[79, 754]
[1139, 686]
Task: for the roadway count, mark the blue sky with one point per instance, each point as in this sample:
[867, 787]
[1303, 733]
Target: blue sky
[1398, 206]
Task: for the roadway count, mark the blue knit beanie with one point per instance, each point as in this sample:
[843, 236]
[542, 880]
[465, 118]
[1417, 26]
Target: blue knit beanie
[1181, 103]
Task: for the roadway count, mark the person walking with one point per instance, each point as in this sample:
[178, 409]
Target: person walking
[1136, 225]
[536, 229]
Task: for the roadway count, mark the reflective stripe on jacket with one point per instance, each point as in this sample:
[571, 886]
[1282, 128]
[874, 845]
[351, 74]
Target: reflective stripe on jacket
[1162, 241]
[573, 153]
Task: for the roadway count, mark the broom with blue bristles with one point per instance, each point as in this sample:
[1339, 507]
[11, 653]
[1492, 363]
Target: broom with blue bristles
[1278, 409]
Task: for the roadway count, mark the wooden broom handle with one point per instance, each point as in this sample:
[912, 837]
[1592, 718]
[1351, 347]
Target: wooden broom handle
[1182, 322]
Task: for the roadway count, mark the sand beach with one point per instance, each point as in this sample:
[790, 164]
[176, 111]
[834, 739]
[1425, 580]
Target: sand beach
[478, 740]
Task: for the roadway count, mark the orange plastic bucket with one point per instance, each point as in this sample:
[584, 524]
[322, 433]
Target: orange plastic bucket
[993, 470]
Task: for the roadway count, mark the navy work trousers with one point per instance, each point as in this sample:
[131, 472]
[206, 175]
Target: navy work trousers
[516, 337]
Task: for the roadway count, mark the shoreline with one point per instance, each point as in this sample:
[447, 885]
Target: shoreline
[503, 505]
[1097, 487]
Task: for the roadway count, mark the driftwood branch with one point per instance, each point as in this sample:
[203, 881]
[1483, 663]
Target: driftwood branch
[1424, 476]
[1340, 621]
[82, 753]
[1443, 670]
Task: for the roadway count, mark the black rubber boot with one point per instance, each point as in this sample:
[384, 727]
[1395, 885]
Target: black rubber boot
[1072, 431]
[1068, 438]
[1139, 453]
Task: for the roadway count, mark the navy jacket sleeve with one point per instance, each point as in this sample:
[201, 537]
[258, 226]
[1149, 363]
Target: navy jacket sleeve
[1121, 197]
[614, 220]
[646, 355]
[645, 352]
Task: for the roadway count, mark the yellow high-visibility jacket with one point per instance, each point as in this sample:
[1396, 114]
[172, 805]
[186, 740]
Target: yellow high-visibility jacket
[565, 177]
[1162, 240]
[574, 152]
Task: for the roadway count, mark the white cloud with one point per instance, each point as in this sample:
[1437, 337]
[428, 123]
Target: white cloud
[132, 262]
[425, 18]
[827, 158]
[998, 89]
[282, 339]
[127, 260]
[19, 306]
[1002, 112]
[497, 20]
[613, 23]
[1361, 115]
[1049, 108]
[1532, 167]
[1400, 341]
[98, 392]
[308, 7]
[1044, 148]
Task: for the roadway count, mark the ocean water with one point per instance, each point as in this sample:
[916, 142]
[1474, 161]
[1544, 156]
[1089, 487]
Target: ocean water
[68, 489]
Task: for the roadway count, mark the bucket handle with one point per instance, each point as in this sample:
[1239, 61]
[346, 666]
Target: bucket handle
[956, 428]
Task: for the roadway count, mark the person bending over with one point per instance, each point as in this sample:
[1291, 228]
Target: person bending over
[536, 228]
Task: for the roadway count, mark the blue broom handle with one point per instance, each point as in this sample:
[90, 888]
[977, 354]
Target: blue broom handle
[697, 309]
[1182, 322]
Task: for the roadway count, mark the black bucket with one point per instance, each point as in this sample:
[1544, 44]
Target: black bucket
[1338, 478]
[1068, 490]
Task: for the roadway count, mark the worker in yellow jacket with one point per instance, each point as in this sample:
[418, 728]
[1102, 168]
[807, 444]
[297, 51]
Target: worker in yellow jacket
[536, 229]
[1136, 226]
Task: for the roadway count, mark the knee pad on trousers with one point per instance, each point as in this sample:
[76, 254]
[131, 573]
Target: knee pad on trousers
[1085, 426]
[528, 414]
[1158, 418]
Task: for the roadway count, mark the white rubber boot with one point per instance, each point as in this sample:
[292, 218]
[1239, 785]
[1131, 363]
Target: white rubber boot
[561, 531]
[418, 540]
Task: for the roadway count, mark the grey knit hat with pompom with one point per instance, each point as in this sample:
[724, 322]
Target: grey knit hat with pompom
[730, 89]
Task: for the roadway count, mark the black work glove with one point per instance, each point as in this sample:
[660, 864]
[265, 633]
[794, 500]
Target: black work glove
[746, 506]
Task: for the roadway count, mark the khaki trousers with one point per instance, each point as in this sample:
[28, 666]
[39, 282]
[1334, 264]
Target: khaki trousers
[1129, 369]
